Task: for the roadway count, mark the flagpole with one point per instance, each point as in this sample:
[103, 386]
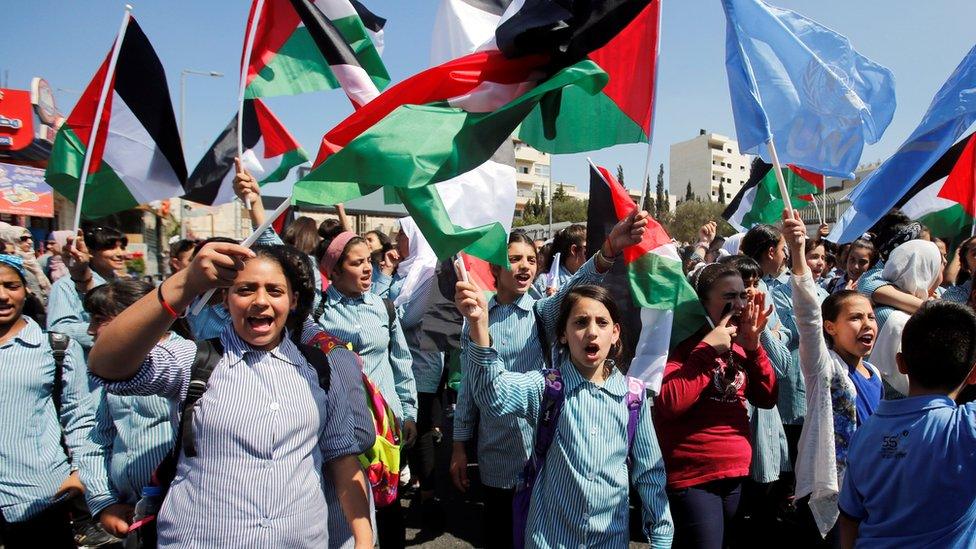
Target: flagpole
[779, 177]
[816, 206]
[245, 64]
[650, 136]
[248, 242]
[106, 85]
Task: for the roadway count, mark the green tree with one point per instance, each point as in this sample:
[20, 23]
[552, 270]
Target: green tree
[690, 215]
[660, 198]
[721, 192]
[648, 204]
[620, 176]
[560, 194]
[688, 194]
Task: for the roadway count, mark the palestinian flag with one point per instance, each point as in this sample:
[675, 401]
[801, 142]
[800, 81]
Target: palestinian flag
[302, 46]
[622, 112]
[270, 154]
[137, 157]
[656, 301]
[942, 199]
[463, 26]
[759, 200]
[466, 109]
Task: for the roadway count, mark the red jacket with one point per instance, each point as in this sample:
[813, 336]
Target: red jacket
[700, 415]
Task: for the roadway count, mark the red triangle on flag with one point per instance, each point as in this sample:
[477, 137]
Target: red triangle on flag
[960, 185]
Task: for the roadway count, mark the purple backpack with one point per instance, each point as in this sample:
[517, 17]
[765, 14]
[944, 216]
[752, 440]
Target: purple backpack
[551, 408]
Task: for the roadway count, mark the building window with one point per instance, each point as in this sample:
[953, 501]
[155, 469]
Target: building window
[541, 170]
[524, 169]
[713, 178]
[728, 195]
[728, 150]
[714, 193]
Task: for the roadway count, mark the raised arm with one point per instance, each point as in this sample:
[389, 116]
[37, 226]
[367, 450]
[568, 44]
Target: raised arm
[129, 337]
[496, 391]
[814, 359]
[627, 232]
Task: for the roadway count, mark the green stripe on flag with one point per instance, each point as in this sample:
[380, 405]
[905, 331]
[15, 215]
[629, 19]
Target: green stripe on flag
[488, 242]
[768, 205]
[608, 124]
[289, 161]
[105, 193]
[299, 67]
[948, 223]
[658, 282]
[416, 145]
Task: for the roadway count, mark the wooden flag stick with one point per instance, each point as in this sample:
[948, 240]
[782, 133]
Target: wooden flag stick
[106, 85]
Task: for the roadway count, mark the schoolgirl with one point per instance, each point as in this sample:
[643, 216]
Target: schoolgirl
[842, 390]
[39, 474]
[264, 428]
[523, 330]
[580, 496]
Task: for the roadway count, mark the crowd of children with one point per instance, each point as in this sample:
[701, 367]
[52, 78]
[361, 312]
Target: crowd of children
[825, 403]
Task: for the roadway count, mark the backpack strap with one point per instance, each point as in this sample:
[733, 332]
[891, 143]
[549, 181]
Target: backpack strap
[320, 362]
[208, 355]
[390, 311]
[549, 412]
[59, 350]
[636, 394]
[540, 328]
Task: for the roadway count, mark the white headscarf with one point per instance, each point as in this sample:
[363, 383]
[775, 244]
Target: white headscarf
[420, 264]
[732, 243]
[913, 267]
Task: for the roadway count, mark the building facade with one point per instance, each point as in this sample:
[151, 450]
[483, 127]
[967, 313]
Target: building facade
[711, 163]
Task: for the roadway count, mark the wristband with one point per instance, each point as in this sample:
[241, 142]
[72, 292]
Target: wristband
[166, 306]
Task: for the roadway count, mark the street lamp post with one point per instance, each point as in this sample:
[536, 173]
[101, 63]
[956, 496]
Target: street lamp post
[183, 74]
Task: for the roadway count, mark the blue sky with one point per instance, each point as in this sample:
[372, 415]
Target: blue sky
[64, 41]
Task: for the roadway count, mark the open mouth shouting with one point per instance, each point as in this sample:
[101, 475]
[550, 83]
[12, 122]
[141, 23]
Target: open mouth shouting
[866, 339]
[260, 324]
[592, 351]
[523, 279]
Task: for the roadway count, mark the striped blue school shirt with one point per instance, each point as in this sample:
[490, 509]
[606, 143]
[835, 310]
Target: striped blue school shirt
[364, 321]
[33, 462]
[209, 322]
[958, 294]
[542, 280]
[428, 366]
[504, 442]
[66, 313]
[263, 431]
[137, 432]
[581, 495]
[869, 283]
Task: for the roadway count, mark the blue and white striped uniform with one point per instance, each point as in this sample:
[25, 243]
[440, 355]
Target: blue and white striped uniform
[33, 462]
[504, 442]
[581, 495]
[428, 366]
[137, 432]
[364, 321]
[263, 431]
[958, 294]
[209, 322]
[869, 283]
[66, 313]
[542, 281]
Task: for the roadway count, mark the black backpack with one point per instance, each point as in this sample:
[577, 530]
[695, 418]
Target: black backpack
[209, 353]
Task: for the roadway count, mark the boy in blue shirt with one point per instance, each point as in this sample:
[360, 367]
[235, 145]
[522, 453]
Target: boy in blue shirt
[911, 475]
